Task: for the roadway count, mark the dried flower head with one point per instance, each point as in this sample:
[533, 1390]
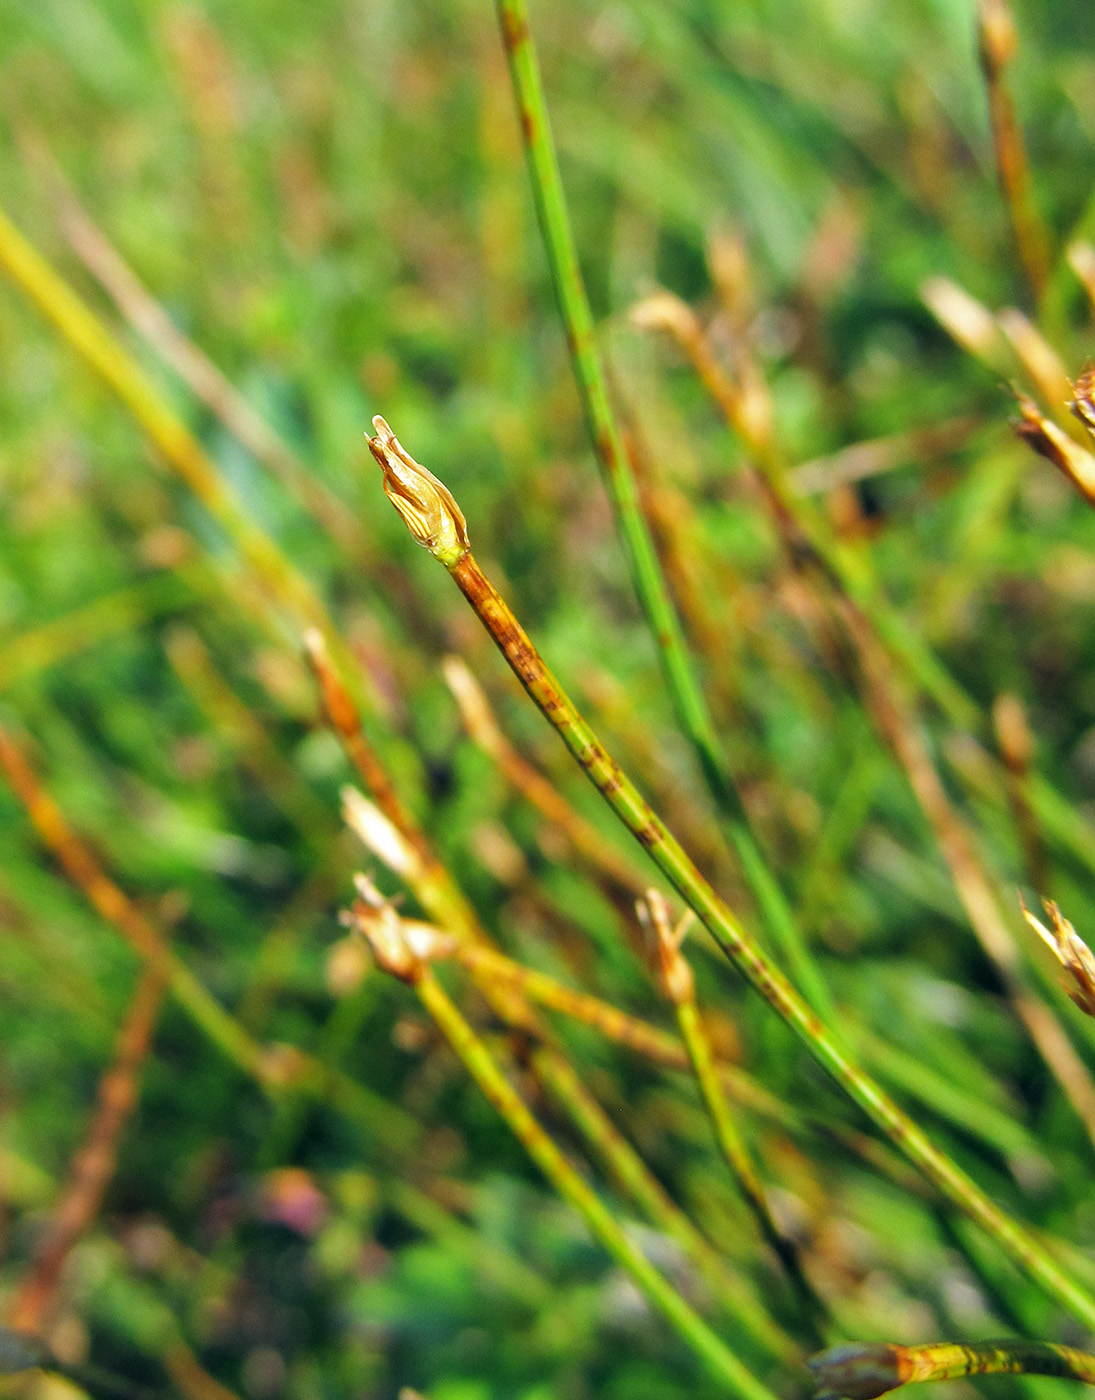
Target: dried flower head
[1071, 952]
[997, 39]
[1082, 402]
[426, 504]
[674, 972]
[1057, 447]
[400, 946]
[663, 311]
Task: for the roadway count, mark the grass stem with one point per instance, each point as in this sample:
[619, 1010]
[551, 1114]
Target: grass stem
[691, 707]
[862, 1371]
[679, 986]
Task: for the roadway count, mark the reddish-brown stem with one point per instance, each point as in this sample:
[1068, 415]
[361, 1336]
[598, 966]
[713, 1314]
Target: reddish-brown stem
[93, 1165]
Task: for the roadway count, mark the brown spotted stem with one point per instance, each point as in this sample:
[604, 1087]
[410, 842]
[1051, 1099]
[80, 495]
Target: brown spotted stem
[862, 1371]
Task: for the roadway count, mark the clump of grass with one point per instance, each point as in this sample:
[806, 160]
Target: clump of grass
[842, 567]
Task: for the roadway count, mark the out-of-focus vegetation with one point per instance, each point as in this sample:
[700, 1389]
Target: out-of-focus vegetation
[311, 1198]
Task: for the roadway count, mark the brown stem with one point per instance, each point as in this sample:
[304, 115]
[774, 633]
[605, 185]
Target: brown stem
[93, 1165]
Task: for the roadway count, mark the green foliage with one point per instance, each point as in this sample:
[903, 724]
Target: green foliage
[331, 201]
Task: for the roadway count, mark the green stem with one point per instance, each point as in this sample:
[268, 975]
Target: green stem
[721, 1362]
[737, 1301]
[175, 444]
[970, 1112]
[736, 1155]
[687, 696]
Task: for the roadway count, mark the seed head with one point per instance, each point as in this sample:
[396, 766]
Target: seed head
[1071, 952]
[674, 972]
[1082, 402]
[426, 504]
[400, 946]
[997, 39]
[1057, 447]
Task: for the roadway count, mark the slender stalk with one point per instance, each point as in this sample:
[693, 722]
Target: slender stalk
[394, 955]
[633, 1033]
[615, 1025]
[946, 1097]
[208, 383]
[175, 444]
[679, 986]
[341, 713]
[737, 1300]
[436, 522]
[279, 1070]
[393, 834]
[547, 188]
[862, 1371]
[997, 42]
[395, 837]
[897, 720]
[94, 1162]
[685, 692]
[998, 1129]
[800, 523]
[484, 729]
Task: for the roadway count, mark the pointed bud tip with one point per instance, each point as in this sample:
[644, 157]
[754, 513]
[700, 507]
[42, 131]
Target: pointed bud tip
[425, 504]
[1082, 402]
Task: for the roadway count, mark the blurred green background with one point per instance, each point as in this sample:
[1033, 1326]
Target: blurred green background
[331, 201]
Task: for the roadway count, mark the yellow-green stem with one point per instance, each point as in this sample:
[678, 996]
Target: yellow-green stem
[721, 1362]
[862, 1371]
[736, 1154]
[681, 680]
[737, 1301]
